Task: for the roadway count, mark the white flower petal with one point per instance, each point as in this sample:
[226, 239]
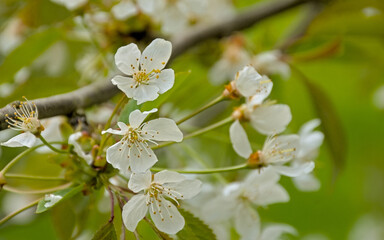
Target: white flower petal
[141, 157]
[274, 232]
[144, 93]
[166, 217]
[220, 73]
[124, 10]
[280, 149]
[219, 209]
[263, 93]
[127, 59]
[125, 84]
[295, 170]
[156, 55]
[140, 181]
[162, 129]
[271, 119]
[247, 222]
[240, 140]
[166, 176]
[113, 131]
[307, 183]
[265, 175]
[136, 117]
[133, 211]
[270, 194]
[165, 80]
[72, 140]
[117, 155]
[187, 188]
[248, 82]
[26, 139]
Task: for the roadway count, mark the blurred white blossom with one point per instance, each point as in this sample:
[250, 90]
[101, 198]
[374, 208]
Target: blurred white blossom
[237, 201]
[71, 4]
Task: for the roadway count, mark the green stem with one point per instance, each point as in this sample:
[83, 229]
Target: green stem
[22, 176]
[205, 171]
[209, 128]
[108, 124]
[52, 147]
[2, 221]
[38, 191]
[198, 132]
[196, 156]
[21, 155]
[210, 104]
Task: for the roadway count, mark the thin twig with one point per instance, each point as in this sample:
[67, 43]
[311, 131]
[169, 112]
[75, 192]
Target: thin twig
[99, 92]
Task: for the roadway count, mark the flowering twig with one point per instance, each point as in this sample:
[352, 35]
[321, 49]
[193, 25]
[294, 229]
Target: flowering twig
[99, 92]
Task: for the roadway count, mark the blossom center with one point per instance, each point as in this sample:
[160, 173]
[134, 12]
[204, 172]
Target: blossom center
[25, 118]
[141, 77]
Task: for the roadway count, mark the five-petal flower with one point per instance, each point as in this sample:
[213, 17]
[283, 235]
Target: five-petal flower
[133, 150]
[259, 188]
[277, 151]
[146, 78]
[157, 189]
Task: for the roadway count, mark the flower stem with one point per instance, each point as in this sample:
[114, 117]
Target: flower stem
[2, 221]
[52, 147]
[21, 155]
[22, 176]
[205, 171]
[38, 191]
[209, 128]
[208, 105]
[198, 132]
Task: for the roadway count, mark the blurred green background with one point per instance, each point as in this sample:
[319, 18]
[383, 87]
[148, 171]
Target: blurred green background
[342, 55]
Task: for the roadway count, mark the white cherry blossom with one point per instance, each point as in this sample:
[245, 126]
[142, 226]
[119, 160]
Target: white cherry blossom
[124, 10]
[133, 150]
[271, 63]
[277, 151]
[25, 120]
[71, 4]
[265, 116]
[145, 77]
[310, 142]
[237, 200]
[249, 82]
[160, 192]
[234, 59]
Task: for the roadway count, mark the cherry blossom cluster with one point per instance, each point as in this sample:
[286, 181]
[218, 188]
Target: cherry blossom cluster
[143, 77]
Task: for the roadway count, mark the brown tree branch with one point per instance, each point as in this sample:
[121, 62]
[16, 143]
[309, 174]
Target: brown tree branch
[102, 91]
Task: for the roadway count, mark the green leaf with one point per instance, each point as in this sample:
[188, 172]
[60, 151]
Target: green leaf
[331, 124]
[128, 108]
[194, 228]
[65, 193]
[106, 232]
[64, 220]
[27, 52]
